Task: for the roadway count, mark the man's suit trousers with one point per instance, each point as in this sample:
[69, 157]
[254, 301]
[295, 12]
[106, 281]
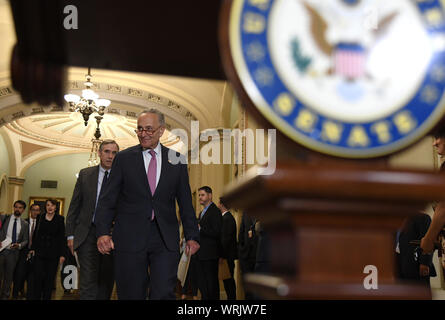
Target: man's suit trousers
[96, 276]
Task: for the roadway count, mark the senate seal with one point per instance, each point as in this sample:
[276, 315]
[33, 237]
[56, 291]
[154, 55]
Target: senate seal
[350, 78]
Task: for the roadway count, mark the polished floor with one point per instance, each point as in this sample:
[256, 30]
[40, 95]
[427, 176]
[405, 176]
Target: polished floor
[60, 294]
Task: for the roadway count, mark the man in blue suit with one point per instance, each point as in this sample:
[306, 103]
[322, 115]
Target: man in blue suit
[140, 197]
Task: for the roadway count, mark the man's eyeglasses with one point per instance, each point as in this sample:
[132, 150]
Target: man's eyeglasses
[146, 130]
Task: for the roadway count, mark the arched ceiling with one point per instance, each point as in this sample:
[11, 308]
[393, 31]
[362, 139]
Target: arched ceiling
[68, 129]
[57, 130]
[181, 100]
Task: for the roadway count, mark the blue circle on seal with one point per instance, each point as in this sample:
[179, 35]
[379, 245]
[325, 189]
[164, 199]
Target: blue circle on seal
[351, 95]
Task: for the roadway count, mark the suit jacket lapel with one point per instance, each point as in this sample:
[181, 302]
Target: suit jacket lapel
[22, 228]
[139, 165]
[93, 177]
[6, 225]
[164, 168]
[207, 211]
[8, 219]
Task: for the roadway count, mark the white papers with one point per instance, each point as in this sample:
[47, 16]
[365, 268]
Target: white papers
[77, 259]
[183, 268]
[5, 243]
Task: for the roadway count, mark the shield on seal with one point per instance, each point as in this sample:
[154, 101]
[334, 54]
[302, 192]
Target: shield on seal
[349, 60]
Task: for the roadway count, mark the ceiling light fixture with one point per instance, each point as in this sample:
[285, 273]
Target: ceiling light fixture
[89, 102]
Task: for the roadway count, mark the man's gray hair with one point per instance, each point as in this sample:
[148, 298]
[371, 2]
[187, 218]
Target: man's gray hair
[108, 141]
[160, 115]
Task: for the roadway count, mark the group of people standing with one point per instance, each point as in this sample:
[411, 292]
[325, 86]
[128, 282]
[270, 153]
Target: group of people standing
[122, 226]
[219, 246]
[31, 250]
[217, 230]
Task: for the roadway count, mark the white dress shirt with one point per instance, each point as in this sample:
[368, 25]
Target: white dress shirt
[11, 225]
[147, 158]
[32, 222]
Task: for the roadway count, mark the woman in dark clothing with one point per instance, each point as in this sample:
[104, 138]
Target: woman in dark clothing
[49, 249]
[414, 228]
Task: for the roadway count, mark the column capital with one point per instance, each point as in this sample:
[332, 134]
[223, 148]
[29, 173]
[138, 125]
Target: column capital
[19, 181]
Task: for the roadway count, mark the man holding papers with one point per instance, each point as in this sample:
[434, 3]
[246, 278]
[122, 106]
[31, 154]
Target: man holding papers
[13, 238]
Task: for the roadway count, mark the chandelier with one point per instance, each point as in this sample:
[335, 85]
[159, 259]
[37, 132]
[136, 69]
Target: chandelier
[89, 102]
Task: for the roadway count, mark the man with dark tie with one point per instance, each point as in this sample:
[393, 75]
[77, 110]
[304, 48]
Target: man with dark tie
[96, 277]
[229, 247]
[145, 183]
[210, 224]
[13, 238]
[23, 270]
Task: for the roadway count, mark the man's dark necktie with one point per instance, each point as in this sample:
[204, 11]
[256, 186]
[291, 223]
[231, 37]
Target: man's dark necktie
[14, 231]
[104, 181]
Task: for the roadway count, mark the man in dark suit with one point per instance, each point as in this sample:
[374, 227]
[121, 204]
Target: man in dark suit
[14, 229]
[140, 196]
[210, 224]
[23, 270]
[96, 270]
[229, 247]
[413, 228]
[247, 247]
[438, 220]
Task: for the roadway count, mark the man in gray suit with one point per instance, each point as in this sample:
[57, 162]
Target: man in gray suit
[15, 229]
[96, 270]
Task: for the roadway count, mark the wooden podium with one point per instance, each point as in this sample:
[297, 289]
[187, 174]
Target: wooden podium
[325, 224]
[328, 221]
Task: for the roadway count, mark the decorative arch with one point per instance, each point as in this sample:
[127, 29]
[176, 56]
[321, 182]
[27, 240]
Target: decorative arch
[42, 157]
[11, 153]
[130, 94]
[3, 193]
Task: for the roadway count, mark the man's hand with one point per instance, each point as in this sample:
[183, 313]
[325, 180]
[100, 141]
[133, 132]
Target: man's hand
[70, 244]
[427, 245]
[15, 246]
[424, 270]
[191, 247]
[61, 259]
[105, 244]
[30, 254]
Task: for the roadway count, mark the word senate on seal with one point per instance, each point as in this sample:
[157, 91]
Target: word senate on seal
[350, 78]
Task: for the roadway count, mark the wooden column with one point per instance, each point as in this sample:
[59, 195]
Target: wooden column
[326, 223]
